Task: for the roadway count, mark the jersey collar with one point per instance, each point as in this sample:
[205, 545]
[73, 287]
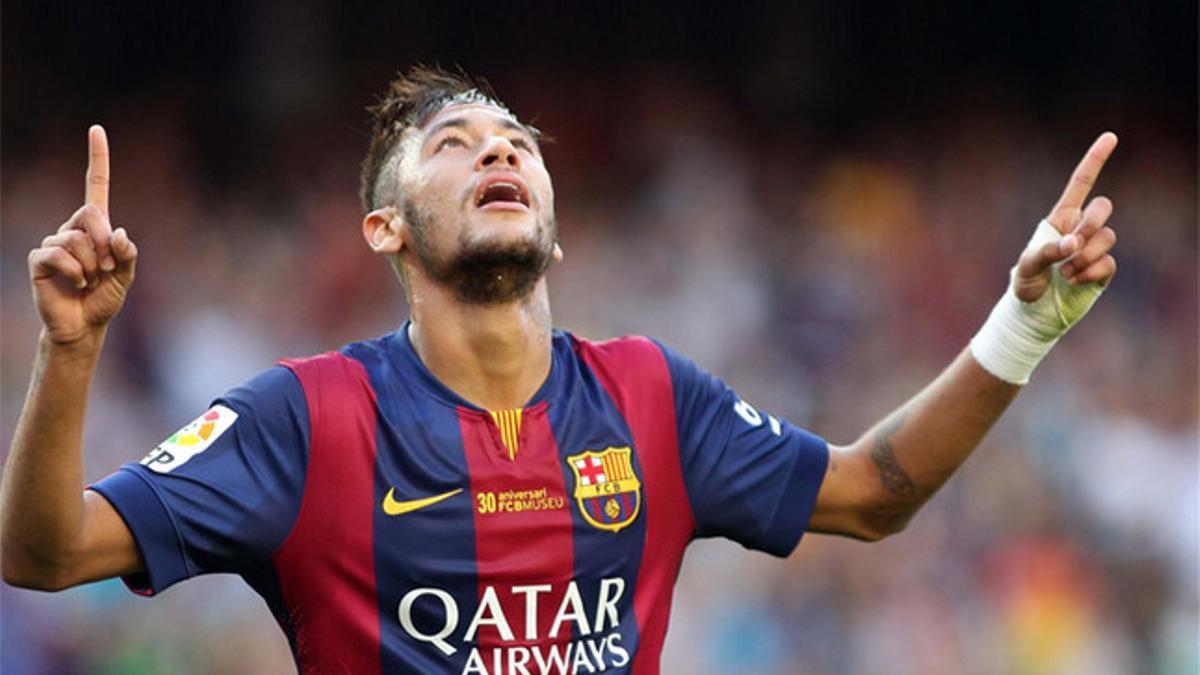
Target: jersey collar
[411, 362]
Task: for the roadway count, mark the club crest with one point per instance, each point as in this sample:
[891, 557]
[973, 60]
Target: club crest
[607, 490]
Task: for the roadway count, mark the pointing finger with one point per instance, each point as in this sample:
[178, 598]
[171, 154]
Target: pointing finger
[1080, 184]
[96, 187]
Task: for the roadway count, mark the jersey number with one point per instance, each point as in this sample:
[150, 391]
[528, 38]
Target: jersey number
[754, 418]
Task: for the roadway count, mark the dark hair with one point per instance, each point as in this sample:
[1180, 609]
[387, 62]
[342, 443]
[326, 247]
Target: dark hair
[411, 99]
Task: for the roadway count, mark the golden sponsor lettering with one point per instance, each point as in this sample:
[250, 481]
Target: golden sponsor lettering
[518, 501]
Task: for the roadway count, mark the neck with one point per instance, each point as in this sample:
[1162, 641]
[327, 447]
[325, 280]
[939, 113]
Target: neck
[494, 356]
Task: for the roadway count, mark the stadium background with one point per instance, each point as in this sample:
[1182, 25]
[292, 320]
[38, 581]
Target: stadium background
[818, 203]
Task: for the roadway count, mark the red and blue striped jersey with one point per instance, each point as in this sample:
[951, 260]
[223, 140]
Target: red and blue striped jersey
[393, 527]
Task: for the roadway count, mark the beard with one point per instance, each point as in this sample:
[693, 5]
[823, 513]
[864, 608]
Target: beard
[484, 273]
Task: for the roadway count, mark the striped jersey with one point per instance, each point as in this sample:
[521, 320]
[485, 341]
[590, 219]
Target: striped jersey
[393, 527]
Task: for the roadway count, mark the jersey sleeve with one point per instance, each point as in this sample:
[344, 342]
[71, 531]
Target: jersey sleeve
[221, 494]
[750, 476]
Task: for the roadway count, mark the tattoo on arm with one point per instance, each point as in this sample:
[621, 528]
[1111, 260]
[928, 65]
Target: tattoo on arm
[891, 474]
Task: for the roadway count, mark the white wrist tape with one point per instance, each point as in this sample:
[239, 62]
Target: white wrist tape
[1018, 334]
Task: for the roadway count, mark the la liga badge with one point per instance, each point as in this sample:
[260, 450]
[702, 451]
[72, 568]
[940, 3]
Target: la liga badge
[607, 490]
[191, 440]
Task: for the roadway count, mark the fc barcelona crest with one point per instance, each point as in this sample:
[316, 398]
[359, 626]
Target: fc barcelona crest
[607, 490]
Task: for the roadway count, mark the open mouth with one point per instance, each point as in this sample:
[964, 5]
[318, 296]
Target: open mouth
[504, 191]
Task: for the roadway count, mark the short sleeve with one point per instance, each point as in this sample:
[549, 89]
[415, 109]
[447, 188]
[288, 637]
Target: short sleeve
[750, 476]
[222, 493]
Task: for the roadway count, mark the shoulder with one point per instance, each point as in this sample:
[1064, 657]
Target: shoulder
[616, 349]
[620, 357]
[275, 387]
[632, 359]
[636, 351]
[353, 360]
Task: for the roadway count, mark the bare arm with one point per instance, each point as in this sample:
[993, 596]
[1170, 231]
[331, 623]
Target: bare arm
[874, 486]
[54, 535]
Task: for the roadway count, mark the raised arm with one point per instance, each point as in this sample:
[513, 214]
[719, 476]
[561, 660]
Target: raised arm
[54, 535]
[875, 485]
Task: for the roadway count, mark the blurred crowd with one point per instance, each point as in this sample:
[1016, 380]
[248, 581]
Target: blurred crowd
[826, 281]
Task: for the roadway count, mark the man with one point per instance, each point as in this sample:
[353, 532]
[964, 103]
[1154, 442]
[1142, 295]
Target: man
[477, 492]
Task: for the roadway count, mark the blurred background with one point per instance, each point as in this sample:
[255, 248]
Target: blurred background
[819, 203]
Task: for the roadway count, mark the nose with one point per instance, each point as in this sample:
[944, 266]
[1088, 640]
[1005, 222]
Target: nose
[498, 152]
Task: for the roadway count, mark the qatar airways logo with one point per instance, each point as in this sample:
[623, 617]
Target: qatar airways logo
[595, 645]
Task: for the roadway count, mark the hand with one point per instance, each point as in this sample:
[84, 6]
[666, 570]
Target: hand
[80, 274]
[1086, 241]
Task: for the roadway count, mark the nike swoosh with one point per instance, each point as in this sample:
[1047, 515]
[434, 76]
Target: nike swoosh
[392, 507]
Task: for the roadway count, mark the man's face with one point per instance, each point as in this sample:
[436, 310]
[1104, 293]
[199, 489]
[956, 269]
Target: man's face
[478, 203]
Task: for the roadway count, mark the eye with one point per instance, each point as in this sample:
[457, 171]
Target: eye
[522, 143]
[449, 141]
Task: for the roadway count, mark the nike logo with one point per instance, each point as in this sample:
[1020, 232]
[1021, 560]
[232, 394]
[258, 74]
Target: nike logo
[393, 507]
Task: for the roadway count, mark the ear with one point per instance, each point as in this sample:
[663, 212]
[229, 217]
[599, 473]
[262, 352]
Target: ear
[558, 252]
[382, 230]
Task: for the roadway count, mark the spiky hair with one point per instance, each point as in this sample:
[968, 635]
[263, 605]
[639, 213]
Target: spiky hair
[410, 101]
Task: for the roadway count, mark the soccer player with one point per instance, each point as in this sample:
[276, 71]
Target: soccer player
[478, 492]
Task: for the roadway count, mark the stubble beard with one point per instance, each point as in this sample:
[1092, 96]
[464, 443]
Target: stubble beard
[487, 273]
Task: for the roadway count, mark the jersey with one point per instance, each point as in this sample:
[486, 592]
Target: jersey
[394, 527]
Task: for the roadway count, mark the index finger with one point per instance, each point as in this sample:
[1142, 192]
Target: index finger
[96, 188]
[1080, 184]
